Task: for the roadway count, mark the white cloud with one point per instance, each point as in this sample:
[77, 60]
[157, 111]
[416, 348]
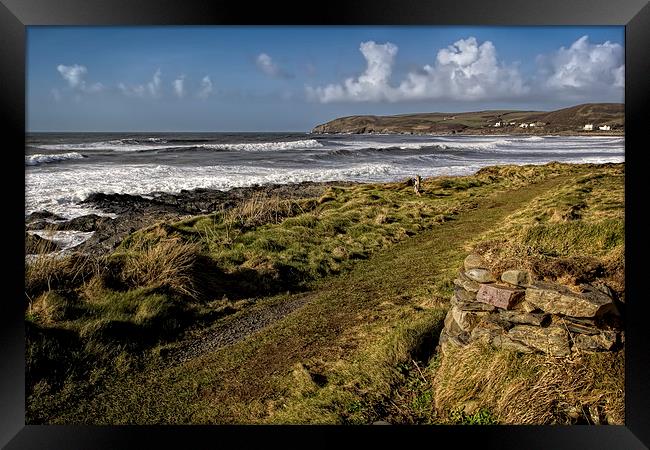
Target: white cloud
[584, 67]
[177, 84]
[462, 71]
[371, 85]
[467, 70]
[75, 75]
[266, 64]
[72, 74]
[131, 91]
[206, 88]
[152, 88]
[154, 85]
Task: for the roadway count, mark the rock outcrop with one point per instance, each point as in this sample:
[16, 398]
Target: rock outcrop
[523, 315]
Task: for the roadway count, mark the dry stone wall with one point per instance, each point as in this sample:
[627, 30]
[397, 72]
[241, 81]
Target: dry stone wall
[510, 310]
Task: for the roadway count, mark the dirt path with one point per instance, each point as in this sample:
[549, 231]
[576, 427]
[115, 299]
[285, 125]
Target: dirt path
[235, 330]
[379, 283]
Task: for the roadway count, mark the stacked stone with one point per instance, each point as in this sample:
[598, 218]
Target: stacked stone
[514, 312]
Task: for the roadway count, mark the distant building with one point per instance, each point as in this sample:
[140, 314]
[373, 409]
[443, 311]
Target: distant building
[604, 128]
[498, 124]
[523, 125]
[531, 125]
[512, 123]
[588, 127]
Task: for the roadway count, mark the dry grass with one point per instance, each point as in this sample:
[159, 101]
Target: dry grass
[531, 389]
[52, 271]
[261, 209]
[167, 262]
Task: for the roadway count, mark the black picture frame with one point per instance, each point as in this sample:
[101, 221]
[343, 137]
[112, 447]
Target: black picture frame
[15, 15]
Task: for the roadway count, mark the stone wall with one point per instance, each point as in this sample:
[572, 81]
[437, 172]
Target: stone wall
[510, 310]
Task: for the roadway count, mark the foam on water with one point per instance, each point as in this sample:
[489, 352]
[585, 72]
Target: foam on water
[35, 160]
[65, 239]
[59, 188]
[137, 145]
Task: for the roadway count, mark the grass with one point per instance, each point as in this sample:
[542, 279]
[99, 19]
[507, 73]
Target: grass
[359, 350]
[163, 263]
[530, 389]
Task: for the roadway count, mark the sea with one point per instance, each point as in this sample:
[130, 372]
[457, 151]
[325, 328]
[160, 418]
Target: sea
[62, 169]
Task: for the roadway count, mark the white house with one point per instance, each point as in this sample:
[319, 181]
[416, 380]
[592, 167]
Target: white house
[498, 124]
[588, 127]
[531, 125]
[523, 125]
[605, 128]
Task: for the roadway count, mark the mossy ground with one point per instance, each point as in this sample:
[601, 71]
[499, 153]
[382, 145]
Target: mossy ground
[374, 263]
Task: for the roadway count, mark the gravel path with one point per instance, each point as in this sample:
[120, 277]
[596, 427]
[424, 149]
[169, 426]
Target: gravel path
[235, 330]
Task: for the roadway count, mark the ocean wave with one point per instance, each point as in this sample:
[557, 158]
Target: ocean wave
[65, 239]
[265, 146]
[35, 160]
[139, 145]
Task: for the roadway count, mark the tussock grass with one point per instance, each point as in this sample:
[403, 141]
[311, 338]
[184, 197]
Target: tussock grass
[531, 389]
[167, 263]
[46, 272]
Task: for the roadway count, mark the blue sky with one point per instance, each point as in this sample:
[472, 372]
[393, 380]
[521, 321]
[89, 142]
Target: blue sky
[292, 78]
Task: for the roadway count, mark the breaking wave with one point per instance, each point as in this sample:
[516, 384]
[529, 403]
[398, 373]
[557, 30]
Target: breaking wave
[35, 160]
[138, 145]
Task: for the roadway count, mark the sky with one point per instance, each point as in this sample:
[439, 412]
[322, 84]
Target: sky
[273, 78]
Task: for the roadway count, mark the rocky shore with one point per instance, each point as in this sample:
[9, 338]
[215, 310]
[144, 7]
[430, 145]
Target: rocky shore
[129, 213]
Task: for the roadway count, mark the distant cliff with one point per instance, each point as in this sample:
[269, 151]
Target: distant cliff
[567, 120]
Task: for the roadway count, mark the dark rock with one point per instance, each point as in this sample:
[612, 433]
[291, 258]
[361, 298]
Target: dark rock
[43, 215]
[85, 223]
[35, 244]
[501, 296]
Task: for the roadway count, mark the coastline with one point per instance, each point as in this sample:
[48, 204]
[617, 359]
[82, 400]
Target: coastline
[124, 214]
[486, 132]
[127, 213]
